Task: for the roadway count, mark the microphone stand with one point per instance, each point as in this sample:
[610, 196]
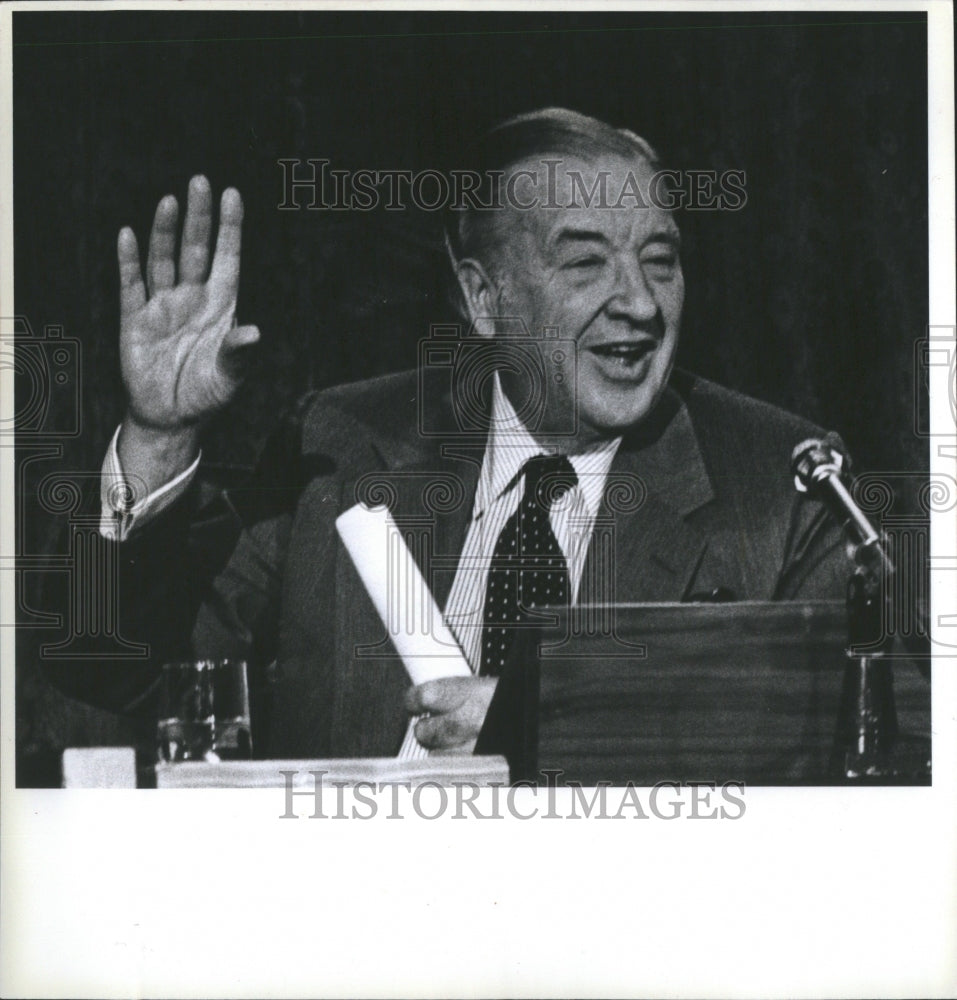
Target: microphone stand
[868, 714]
[868, 697]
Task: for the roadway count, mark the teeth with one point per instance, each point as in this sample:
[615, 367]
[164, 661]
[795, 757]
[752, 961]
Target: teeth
[624, 351]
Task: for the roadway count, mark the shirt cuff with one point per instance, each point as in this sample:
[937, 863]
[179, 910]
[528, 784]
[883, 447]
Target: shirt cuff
[119, 512]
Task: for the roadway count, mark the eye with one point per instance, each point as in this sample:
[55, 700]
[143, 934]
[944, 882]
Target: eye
[662, 262]
[588, 261]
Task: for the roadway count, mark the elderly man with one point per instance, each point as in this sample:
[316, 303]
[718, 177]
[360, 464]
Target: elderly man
[713, 507]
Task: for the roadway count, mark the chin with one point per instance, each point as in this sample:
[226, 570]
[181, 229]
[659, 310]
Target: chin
[616, 411]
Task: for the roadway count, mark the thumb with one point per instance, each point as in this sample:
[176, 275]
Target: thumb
[234, 352]
[442, 695]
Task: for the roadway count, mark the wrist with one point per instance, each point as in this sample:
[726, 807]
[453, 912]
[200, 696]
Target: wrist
[153, 456]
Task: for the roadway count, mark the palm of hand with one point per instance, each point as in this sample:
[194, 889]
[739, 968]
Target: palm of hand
[179, 343]
[170, 348]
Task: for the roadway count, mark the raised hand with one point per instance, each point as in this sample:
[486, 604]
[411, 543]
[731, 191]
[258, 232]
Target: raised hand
[179, 345]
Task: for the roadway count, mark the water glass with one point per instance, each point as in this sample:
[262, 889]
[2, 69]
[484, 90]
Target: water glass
[204, 712]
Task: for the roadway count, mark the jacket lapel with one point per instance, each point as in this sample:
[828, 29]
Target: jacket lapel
[431, 498]
[658, 478]
[430, 482]
[433, 505]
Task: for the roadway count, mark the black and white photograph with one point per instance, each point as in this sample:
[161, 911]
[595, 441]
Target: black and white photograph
[418, 417]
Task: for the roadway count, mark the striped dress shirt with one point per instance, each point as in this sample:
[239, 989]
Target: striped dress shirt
[497, 496]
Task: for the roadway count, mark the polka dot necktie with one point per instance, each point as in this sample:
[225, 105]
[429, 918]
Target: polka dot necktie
[528, 567]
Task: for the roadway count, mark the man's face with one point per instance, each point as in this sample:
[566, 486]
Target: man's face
[608, 278]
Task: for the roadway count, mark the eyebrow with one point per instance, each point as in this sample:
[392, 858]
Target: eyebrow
[569, 235]
[672, 236]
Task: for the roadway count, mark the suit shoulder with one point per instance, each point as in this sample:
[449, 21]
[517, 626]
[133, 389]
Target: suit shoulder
[726, 417]
[384, 407]
[338, 432]
[368, 400]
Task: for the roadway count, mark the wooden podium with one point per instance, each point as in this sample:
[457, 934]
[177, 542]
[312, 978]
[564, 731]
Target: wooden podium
[748, 692]
[751, 692]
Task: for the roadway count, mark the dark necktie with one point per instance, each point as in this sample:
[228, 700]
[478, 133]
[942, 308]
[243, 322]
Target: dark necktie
[528, 567]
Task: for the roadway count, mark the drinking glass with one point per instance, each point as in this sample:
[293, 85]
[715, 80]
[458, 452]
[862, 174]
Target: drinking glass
[204, 712]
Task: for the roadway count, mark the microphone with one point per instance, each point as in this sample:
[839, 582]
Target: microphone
[818, 466]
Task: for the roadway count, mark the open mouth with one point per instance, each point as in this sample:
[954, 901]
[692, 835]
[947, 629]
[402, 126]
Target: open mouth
[627, 352]
[625, 357]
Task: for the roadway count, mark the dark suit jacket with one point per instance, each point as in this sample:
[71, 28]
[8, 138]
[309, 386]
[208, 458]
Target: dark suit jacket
[699, 497]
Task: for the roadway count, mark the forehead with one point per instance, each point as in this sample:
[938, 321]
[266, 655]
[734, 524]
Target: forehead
[606, 195]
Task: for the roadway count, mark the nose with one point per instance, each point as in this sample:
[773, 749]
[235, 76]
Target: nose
[633, 298]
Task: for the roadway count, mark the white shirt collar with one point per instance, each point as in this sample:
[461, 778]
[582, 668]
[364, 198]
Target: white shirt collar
[510, 446]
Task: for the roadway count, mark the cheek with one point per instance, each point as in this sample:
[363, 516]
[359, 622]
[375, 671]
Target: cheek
[672, 300]
[574, 309]
[550, 299]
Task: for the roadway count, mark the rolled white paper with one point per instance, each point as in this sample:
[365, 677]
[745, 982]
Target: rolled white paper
[400, 594]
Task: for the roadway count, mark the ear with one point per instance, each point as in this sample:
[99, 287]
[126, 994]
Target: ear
[480, 294]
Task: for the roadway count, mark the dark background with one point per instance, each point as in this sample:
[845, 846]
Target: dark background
[811, 297]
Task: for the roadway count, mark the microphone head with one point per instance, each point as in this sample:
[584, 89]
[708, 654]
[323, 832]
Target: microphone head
[814, 460]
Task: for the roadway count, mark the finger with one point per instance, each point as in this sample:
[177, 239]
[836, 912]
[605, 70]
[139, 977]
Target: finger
[240, 336]
[460, 750]
[438, 696]
[194, 251]
[160, 268]
[442, 732]
[234, 357]
[132, 289]
[225, 269]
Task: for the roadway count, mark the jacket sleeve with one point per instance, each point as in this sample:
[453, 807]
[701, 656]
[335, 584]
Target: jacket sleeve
[200, 580]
